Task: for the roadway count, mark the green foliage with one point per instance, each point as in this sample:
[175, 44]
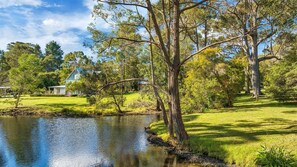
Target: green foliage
[25, 78]
[281, 83]
[53, 56]
[275, 157]
[108, 99]
[16, 49]
[4, 67]
[49, 79]
[211, 81]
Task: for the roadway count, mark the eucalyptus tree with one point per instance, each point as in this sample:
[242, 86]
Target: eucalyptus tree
[4, 67]
[268, 21]
[25, 77]
[16, 49]
[165, 33]
[53, 56]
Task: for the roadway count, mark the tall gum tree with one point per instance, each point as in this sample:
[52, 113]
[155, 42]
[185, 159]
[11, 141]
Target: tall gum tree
[266, 23]
[165, 34]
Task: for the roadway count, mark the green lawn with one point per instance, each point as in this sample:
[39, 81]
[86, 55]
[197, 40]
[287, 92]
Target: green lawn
[236, 134]
[58, 104]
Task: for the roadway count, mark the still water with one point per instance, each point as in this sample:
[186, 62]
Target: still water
[79, 142]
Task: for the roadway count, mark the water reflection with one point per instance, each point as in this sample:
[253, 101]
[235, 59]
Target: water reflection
[108, 141]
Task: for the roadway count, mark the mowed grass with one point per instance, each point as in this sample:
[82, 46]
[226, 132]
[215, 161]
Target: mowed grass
[236, 134]
[58, 104]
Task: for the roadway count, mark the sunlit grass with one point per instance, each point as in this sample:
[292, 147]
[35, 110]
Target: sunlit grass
[236, 134]
[72, 104]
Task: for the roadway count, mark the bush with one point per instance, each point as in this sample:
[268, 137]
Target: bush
[282, 82]
[140, 103]
[91, 100]
[211, 81]
[275, 157]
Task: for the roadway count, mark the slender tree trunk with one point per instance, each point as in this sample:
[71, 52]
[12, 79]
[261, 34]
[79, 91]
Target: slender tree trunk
[158, 107]
[18, 100]
[157, 95]
[116, 103]
[205, 32]
[179, 128]
[170, 123]
[247, 80]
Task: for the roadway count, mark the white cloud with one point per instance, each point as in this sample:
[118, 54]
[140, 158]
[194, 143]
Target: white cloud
[89, 4]
[8, 3]
[68, 29]
[57, 22]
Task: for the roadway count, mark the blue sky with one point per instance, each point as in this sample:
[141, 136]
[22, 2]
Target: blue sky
[40, 21]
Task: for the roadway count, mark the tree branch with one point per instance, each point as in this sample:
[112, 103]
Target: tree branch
[122, 3]
[268, 58]
[193, 6]
[267, 36]
[118, 82]
[206, 47]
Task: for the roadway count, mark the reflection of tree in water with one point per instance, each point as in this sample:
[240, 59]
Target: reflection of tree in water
[18, 133]
[123, 140]
[1, 160]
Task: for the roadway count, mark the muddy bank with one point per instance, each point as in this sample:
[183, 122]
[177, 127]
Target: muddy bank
[66, 113]
[184, 156]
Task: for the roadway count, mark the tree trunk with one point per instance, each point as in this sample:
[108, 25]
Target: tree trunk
[18, 100]
[170, 123]
[158, 108]
[116, 103]
[255, 77]
[157, 95]
[253, 59]
[247, 80]
[178, 124]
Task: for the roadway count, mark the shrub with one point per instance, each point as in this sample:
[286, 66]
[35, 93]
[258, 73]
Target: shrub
[281, 82]
[275, 157]
[211, 81]
[91, 100]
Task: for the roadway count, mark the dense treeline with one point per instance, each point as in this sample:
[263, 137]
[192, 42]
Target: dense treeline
[192, 55]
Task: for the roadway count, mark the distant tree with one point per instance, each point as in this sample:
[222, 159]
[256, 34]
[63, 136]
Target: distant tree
[25, 78]
[53, 56]
[16, 49]
[37, 51]
[267, 24]
[281, 78]
[4, 67]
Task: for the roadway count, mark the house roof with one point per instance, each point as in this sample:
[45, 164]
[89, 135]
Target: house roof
[76, 69]
[60, 86]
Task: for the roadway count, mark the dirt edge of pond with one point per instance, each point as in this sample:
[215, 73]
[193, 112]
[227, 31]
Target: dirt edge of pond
[184, 156]
[29, 112]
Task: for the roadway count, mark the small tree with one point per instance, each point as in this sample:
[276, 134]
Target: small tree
[25, 78]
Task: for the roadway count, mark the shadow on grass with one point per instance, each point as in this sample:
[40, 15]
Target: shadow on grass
[212, 139]
[290, 112]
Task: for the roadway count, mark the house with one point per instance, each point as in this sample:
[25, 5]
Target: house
[61, 89]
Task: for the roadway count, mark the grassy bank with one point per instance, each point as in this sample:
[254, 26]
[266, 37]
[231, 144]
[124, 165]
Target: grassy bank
[236, 134]
[69, 104]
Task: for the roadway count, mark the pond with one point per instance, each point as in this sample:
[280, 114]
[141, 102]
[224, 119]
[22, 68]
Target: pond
[70, 142]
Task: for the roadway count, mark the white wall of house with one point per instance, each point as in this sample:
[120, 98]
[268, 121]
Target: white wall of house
[59, 91]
